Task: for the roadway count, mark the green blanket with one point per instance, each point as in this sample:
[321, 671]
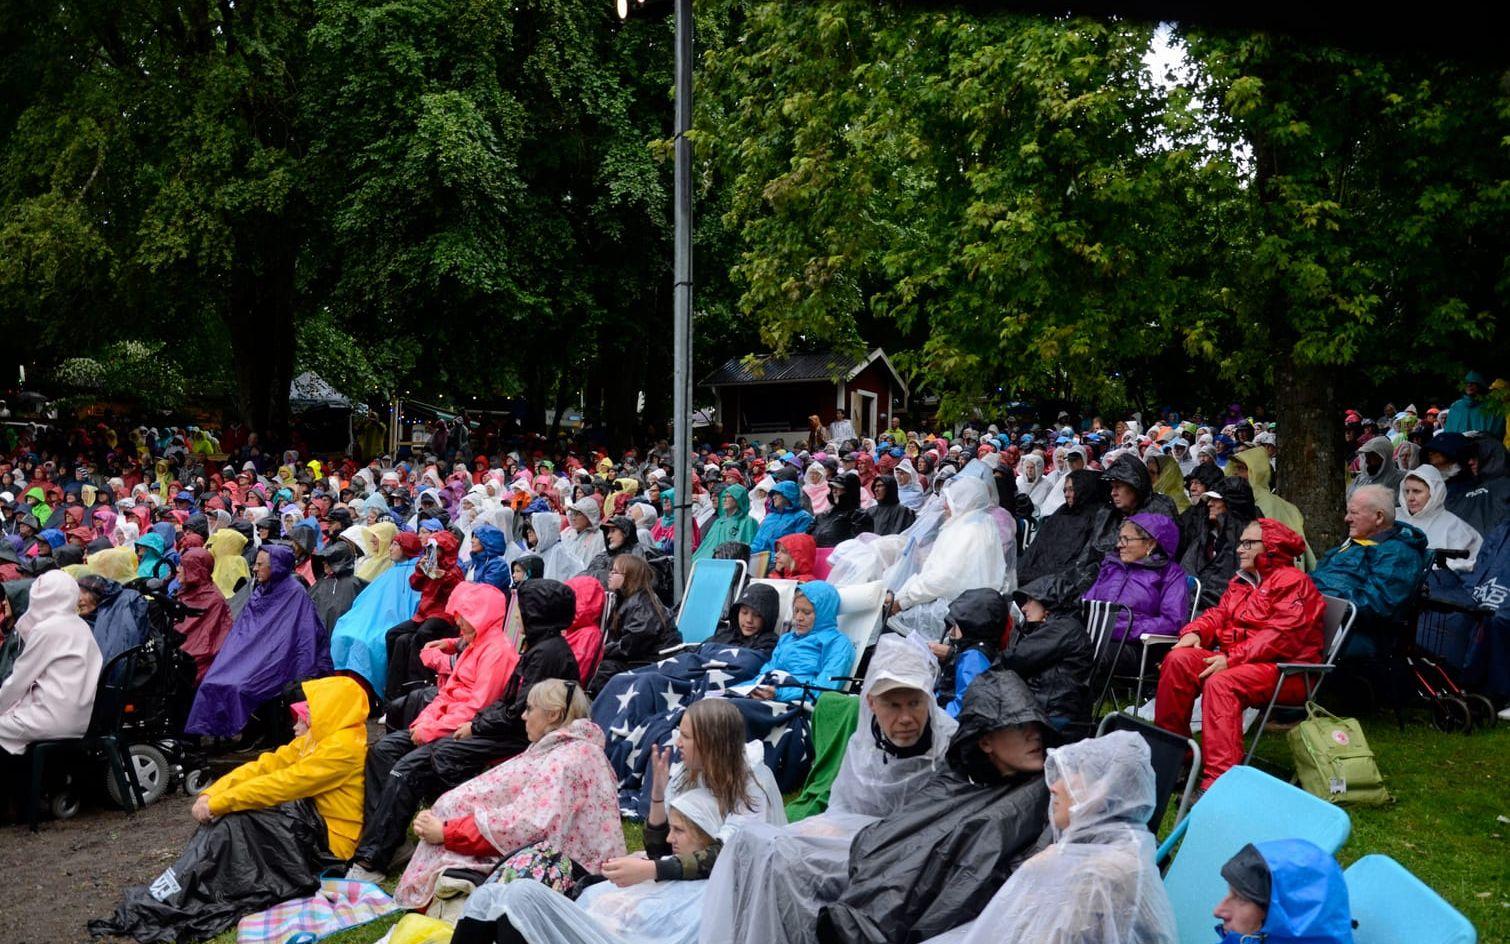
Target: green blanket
[835, 717]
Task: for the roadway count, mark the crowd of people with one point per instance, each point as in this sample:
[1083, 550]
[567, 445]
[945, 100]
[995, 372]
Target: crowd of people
[475, 605]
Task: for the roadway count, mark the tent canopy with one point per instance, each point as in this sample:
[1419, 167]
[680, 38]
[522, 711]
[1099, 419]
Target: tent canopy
[309, 392]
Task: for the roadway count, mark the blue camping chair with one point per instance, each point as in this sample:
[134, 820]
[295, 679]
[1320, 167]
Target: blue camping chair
[1392, 906]
[1244, 805]
[711, 587]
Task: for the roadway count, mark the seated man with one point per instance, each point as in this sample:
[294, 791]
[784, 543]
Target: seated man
[932, 867]
[1286, 891]
[268, 829]
[1270, 613]
[1379, 564]
[770, 882]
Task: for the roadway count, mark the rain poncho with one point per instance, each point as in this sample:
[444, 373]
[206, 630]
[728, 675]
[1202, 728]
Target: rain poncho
[967, 554]
[1098, 881]
[1063, 535]
[276, 640]
[931, 866]
[358, 642]
[119, 622]
[1031, 481]
[770, 882]
[1443, 528]
[50, 690]
[560, 563]
[337, 586]
[118, 564]
[560, 792]
[588, 544]
[738, 527]
[1388, 474]
[377, 561]
[153, 556]
[909, 490]
[204, 632]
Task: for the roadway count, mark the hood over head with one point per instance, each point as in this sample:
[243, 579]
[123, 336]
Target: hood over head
[1256, 461]
[482, 605]
[1110, 781]
[53, 594]
[1162, 529]
[492, 540]
[280, 559]
[996, 699]
[1238, 495]
[197, 567]
[788, 490]
[1307, 896]
[804, 551]
[1055, 591]
[335, 702]
[1128, 470]
[1281, 545]
[546, 608]
[590, 601]
[626, 526]
[825, 601]
[1088, 490]
[764, 601]
[1432, 479]
[981, 615]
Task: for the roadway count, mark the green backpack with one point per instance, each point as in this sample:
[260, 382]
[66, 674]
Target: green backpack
[1333, 761]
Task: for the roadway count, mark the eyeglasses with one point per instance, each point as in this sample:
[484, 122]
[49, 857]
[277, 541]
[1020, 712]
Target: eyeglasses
[1250, 542]
[1123, 540]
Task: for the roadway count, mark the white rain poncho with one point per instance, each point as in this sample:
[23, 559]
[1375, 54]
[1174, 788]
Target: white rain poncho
[1031, 481]
[770, 883]
[1098, 881]
[584, 545]
[864, 559]
[967, 554]
[1443, 528]
[1054, 500]
[560, 563]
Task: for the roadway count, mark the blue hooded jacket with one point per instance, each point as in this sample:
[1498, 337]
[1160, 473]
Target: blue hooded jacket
[1308, 901]
[1378, 575]
[778, 524]
[819, 656]
[489, 566]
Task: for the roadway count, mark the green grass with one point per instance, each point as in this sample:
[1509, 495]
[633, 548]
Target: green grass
[1449, 790]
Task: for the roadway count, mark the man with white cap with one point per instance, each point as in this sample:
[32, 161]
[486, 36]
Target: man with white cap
[770, 882]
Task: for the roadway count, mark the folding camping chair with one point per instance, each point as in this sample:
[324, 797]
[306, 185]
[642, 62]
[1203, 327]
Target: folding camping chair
[711, 587]
[862, 616]
[1336, 623]
[1101, 619]
[1167, 752]
[1244, 805]
[786, 591]
[1392, 906]
[1151, 640]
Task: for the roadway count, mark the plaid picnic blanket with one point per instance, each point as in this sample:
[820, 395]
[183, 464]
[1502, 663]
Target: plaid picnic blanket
[338, 905]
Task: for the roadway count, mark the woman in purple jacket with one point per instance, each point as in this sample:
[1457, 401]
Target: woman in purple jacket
[1143, 575]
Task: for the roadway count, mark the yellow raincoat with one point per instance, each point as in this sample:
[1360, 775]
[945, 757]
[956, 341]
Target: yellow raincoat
[377, 562]
[1271, 505]
[118, 564]
[325, 765]
[226, 546]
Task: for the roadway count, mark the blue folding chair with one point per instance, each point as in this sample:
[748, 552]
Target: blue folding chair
[1244, 805]
[711, 586]
[1392, 906]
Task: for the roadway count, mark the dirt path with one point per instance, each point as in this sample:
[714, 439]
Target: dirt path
[58, 878]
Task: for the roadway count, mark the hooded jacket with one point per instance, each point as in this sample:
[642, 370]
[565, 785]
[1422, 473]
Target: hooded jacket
[481, 671]
[602, 565]
[844, 519]
[1442, 528]
[585, 546]
[119, 622]
[935, 865]
[325, 765]
[1274, 615]
[489, 565]
[51, 687]
[1154, 588]
[738, 527]
[778, 523]
[585, 634]
[546, 608]
[816, 657]
[804, 553]
[764, 601]
[1388, 474]
[1308, 901]
[981, 616]
[1053, 656]
[1063, 534]
[889, 515]
[1128, 470]
[1210, 547]
[336, 585]
[435, 591]
[1377, 574]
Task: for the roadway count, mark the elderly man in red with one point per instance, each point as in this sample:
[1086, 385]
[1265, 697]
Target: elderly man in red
[1271, 612]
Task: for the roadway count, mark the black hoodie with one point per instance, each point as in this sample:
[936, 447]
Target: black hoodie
[1062, 535]
[1053, 656]
[981, 616]
[336, 585]
[602, 564]
[1128, 470]
[844, 519]
[764, 601]
[1210, 547]
[546, 608]
[890, 516]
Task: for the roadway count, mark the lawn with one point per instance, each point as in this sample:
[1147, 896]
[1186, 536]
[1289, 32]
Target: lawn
[1450, 823]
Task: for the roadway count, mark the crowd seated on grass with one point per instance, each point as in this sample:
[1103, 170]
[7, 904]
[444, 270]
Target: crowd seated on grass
[471, 604]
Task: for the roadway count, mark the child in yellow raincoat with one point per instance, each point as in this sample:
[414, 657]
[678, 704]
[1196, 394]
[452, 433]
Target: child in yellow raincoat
[268, 829]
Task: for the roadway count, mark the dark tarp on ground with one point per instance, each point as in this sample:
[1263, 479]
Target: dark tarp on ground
[238, 865]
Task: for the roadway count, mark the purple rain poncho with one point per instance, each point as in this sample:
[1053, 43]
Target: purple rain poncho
[276, 641]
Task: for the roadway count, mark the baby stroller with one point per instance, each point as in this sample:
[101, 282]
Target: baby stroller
[158, 702]
[1448, 626]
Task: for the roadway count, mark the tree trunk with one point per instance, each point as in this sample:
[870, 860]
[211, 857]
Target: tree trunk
[260, 319]
[1310, 448]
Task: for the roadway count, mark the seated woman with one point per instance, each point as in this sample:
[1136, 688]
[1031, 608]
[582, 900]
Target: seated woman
[1141, 573]
[358, 643]
[117, 616]
[268, 829]
[1063, 534]
[435, 576]
[794, 558]
[649, 912]
[1098, 881]
[844, 519]
[336, 584]
[732, 524]
[1423, 496]
[771, 881]
[585, 634]
[976, 621]
[1271, 613]
[1284, 891]
[1051, 650]
[931, 867]
[231, 570]
[813, 651]
[640, 628]
[889, 516]
[559, 793]
[276, 641]
[50, 690]
[783, 516]
[754, 620]
[966, 555]
[203, 632]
